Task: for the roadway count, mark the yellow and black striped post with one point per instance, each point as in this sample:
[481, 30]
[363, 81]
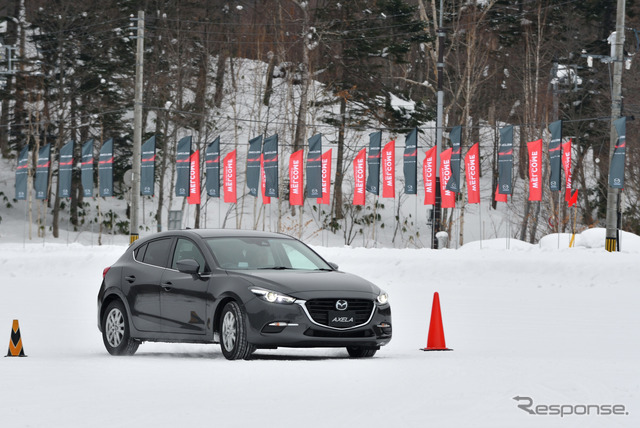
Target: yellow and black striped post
[15, 343]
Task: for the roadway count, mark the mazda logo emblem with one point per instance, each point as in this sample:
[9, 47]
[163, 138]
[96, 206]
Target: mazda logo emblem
[342, 305]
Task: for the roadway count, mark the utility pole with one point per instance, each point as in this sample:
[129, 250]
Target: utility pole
[137, 131]
[614, 213]
[439, 127]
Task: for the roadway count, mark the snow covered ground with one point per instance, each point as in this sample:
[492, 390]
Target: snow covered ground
[554, 324]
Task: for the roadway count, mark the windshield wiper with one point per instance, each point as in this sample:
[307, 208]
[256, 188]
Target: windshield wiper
[277, 268]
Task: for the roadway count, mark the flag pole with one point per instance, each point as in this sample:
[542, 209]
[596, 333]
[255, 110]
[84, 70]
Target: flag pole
[415, 219]
[558, 220]
[506, 242]
[433, 226]
[375, 221]
[26, 220]
[573, 227]
[69, 223]
[480, 222]
[44, 221]
[92, 232]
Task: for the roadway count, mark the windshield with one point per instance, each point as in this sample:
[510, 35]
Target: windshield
[264, 253]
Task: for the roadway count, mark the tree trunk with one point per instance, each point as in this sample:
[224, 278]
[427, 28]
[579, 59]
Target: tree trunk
[301, 125]
[163, 170]
[338, 213]
[220, 70]
[201, 106]
[534, 223]
[76, 189]
[269, 86]
[4, 119]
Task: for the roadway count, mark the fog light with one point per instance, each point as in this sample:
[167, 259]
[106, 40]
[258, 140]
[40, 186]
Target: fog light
[276, 327]
[385, 328]
[279, 324]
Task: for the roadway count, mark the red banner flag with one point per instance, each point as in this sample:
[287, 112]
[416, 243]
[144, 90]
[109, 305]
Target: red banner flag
[535, 170]
[472, 172]
[448, 197]
[389, 170]
[296, 178]
[230, 195]
[263, 181]
[574, 199]
[326, 179]
[194, 179]
[429, 176]
[359, 174]
[566, 163]
[500, 197]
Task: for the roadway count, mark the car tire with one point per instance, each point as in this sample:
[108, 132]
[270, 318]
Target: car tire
[233, 333]
[115, 330]
[361, 352]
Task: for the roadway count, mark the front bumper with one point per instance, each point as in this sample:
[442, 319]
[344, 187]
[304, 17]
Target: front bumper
[280, 325]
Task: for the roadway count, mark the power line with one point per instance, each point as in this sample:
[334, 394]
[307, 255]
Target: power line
[75, 29]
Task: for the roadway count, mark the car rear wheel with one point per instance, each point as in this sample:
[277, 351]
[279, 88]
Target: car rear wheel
[115, 331]
[233, 333]
[361, 352]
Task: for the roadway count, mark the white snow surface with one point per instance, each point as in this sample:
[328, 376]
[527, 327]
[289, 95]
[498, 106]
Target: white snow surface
[556, 324]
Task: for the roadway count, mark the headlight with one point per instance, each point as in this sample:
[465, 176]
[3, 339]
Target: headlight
[383, 298]
[272, 296]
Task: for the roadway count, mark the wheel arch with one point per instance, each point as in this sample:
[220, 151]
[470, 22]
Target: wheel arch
[110, 298]
[218, 313]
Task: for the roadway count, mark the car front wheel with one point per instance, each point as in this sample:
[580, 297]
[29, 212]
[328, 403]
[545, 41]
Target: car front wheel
[233, 333]
[115, 331]
[361, 352]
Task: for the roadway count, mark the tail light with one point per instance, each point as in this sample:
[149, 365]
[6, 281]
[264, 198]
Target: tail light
[105, 270]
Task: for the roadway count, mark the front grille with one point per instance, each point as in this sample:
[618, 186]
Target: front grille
[319, 309]
[340, 334]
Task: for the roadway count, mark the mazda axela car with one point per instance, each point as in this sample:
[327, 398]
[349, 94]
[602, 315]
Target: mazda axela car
[246, 290]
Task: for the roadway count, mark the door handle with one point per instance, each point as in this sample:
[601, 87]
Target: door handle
[130, 278]
[167, 286]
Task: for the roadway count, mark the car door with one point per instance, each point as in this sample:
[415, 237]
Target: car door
[141, 283]
[183, 299]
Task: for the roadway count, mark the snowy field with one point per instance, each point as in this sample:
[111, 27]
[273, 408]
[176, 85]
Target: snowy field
[557, 325]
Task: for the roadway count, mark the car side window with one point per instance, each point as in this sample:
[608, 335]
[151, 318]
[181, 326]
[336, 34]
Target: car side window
[157, 252]
[186, 249]
[138, 254]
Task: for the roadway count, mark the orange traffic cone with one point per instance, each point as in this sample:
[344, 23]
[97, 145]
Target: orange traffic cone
[435, 341]
[15, 343]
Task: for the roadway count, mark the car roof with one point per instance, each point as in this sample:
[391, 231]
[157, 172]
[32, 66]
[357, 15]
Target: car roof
[216, 233]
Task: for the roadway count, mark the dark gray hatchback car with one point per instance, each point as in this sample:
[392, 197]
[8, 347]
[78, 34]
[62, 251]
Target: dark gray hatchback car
[243, 289]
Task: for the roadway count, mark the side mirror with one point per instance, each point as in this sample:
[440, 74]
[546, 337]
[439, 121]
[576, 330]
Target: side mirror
[188, 266]
[333, 266]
